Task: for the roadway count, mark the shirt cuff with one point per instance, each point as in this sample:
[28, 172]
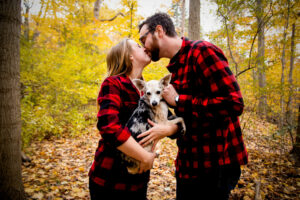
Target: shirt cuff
[183, 102]
[123, 137]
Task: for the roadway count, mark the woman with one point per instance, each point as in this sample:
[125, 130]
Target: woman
[117, 99]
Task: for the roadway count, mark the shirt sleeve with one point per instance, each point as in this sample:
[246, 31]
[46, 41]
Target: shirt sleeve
[224, 93]
[109, 100]
[180, 128]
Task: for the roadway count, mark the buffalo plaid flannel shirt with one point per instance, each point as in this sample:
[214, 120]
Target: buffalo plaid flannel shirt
[117, 98]
[210, 102]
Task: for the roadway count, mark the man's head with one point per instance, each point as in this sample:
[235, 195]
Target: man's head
[153, 29]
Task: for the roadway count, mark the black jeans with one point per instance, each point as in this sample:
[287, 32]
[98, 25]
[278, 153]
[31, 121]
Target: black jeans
[215, 185]
[98, 192]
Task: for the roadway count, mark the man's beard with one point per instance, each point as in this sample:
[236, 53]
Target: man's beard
[155, 51]
[155, 54]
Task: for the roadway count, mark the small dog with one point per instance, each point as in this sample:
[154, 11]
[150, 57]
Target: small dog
[151, 106]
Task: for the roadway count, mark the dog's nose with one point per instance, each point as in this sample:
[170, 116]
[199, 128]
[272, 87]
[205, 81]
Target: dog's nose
[154, 103]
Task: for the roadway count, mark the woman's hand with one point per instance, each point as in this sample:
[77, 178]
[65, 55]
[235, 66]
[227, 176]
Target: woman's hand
[147, 163]
[157, 132]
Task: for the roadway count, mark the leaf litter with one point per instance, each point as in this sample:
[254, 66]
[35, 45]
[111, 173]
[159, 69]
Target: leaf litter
[59, 167]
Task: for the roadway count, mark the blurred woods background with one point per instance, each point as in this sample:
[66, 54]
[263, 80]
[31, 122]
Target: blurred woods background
[64, 46]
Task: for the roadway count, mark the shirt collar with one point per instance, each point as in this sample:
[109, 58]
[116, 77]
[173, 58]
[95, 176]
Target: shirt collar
[175, 59]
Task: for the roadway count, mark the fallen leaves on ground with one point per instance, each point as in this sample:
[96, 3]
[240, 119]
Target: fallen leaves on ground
[59, 167]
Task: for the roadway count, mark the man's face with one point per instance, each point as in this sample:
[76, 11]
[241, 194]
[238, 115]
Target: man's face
[149, 41]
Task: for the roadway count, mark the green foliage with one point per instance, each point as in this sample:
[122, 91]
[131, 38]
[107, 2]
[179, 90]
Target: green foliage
[241, 21]
[63, 61]
[58, 87]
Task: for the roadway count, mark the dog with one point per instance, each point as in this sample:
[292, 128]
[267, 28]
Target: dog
[151, 106]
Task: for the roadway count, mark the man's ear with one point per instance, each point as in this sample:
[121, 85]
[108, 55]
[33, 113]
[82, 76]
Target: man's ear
[159, 29]
[165, 80]
[139, 84]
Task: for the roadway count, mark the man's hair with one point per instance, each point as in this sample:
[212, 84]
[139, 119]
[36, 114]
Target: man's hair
[162, 19]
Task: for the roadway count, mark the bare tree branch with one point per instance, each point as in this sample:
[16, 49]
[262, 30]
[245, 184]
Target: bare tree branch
[97, 7]
[265, 20]
[111, 19]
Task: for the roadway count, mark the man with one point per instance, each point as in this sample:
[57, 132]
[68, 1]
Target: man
[205, 93]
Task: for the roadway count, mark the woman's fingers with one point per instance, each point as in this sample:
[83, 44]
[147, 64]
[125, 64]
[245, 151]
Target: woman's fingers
[151, 122]
[145, 141]
[147, 132]
[144, 134]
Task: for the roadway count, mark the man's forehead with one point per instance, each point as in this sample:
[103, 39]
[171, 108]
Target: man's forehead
[144, 29]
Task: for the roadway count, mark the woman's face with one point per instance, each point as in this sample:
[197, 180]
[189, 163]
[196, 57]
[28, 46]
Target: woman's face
[138, 54]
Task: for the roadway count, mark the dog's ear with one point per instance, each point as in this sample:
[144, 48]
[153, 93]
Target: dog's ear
[139, 84]
[165, 80]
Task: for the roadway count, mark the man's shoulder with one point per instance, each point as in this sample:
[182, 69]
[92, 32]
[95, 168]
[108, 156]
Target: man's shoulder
[200, 46]
[196, 44]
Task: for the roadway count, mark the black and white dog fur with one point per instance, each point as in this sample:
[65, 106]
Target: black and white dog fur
[151, 106]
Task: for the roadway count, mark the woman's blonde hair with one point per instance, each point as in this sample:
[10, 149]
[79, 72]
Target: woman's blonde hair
[118, 59]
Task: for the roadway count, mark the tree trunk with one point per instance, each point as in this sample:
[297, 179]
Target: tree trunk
[283, 68]
[11, 186]
[194, 20]
[97, 6]
[131, 13]
[182, 18]
[296, 147]
[262, 104]
[289, 112]
[26, 21]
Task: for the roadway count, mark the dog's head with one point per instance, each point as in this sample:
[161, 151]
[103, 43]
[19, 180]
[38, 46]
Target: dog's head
[152, 89]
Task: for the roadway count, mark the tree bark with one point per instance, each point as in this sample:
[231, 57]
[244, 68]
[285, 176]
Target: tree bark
[194, 20]
[182, 18]
[11, 186]
[97, 6]
[26, 21]
[283, 68]
[296, 147]
[262, 103]
[130, 5]
[291, 88]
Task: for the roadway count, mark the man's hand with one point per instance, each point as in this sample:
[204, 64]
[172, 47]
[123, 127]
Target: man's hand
[169, 94]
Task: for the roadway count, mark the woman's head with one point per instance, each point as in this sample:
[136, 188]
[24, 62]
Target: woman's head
[124, 56]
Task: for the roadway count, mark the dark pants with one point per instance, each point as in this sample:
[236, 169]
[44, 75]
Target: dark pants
[98, 192]
[215, 185]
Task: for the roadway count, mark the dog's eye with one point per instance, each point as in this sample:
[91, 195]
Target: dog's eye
[157, 92]
[148, 93]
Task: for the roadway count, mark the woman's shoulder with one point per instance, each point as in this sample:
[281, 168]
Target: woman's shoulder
[116, 79]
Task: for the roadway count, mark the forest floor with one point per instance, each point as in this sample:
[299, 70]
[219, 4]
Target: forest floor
[59, 167]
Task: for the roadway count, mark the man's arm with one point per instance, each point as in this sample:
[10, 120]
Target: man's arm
[225, 97]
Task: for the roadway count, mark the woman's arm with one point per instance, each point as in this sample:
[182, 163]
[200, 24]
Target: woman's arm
[112, 131]
[136, 151]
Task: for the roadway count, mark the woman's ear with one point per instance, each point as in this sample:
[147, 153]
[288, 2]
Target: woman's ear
[139, 84]
[131, 58]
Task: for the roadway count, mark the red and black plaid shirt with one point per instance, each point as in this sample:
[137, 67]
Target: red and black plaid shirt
[210, 101]
[117, 98]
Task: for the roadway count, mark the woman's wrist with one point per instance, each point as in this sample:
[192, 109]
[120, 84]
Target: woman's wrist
[148, 157]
